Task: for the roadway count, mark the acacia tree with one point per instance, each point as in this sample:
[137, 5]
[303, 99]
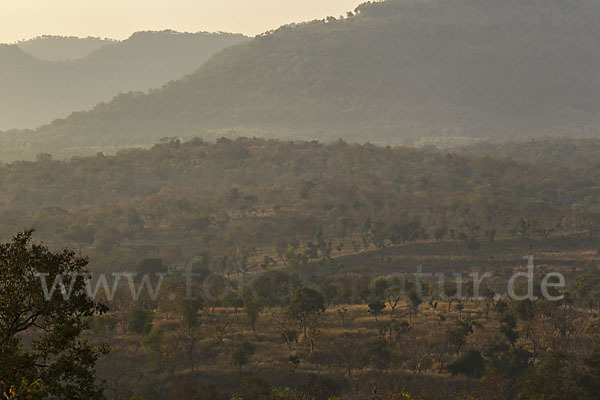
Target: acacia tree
[52, 320]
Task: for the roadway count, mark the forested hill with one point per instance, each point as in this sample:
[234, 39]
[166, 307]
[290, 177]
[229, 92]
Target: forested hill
[35, 91]
[61, 48]
[568, 152]
[400, 71]
[254, 193]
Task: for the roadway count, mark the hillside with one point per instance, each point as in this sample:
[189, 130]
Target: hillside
[400, 71]
[254, 193]
[35, 91]
[266, 226]
[61, 48]
[568, 152]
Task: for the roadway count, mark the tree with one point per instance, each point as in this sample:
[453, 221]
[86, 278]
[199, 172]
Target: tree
[150, 266]
[414, 301]
[190, 330]
[189, 312]
[153, 341]
[553, 379]
[284, 323]
[450, 291]
[440, 232]
[376, 307]
[305, 302]
[139, 320]
[57, 359]
[417, 347]
[341, 312]
[242, 354]
[457, 335]
[253, 307]
[233, 300]
[216, 290]
[510, 361]
[378, 354]
[508, 327]
[403, 228]
[347, 352]
[489, 296]
[313, 329]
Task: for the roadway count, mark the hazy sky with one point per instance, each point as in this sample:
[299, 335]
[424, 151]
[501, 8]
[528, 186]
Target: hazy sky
[24, 19]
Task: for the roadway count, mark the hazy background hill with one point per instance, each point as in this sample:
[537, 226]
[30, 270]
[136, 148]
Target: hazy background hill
[62, 48]
[401, 71]
[35, 91]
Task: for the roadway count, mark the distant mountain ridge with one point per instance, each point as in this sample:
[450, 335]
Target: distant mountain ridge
[62, 48]
[444, 72]
[35, 91]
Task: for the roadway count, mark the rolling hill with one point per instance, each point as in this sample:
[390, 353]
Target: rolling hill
[445, 72]
[35, 91]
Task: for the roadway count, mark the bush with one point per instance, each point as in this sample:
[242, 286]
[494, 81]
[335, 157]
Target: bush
[471, 364]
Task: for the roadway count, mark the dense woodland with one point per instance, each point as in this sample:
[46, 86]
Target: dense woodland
[305, 253]
[559, 151]
[257, 195]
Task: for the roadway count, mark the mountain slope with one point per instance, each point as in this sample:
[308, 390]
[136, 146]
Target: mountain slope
[61, 48]
[34, 91]
[399, 71]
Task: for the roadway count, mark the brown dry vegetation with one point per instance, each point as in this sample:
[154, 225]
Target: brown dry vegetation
[340, 361]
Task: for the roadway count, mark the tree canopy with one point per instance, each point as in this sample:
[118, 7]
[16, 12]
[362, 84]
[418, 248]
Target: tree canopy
[40, 331]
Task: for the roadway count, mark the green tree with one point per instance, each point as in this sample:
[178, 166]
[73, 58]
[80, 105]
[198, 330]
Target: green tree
[56, 358]
[378, 354]
[242, 354]
[189, 312]
[139, 320]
